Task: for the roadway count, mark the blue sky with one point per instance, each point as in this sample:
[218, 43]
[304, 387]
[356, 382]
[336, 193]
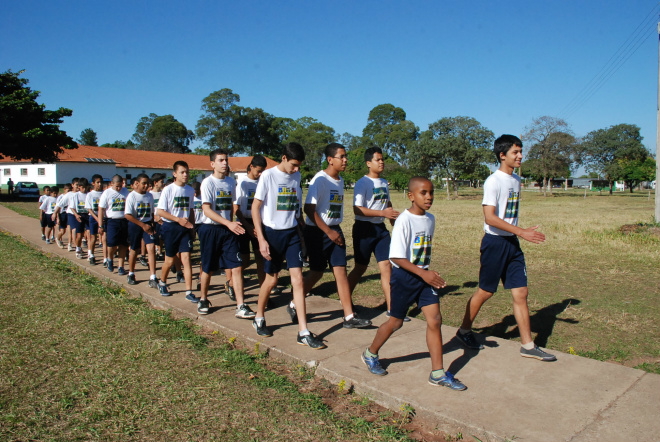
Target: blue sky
[503, 63]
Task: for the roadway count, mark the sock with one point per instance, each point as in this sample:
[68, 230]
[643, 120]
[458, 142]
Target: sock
[188, 292]
[89, 253]
[464, 331]
[162, 283]
[370, 354]
[131, 273]
[152, 278]
[78, 249]
[438, 373]
[292, 305]
[529, 346]
[260, 321]
[349, 317]
[304, 333]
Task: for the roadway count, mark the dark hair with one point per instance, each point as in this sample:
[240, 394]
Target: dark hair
[142, 175]
[117, 179]
[258, 161]
[46, 188]
[134, 180]
[178, 164]
[96, 176]
[369, 153]
[169, 181]
[504, 143]
[157, 177]
[67, 186]
[332, 148]
[54, 189]
[197, 186]
[294, 151]
[218, 151]
[75, 180]
[82, 182]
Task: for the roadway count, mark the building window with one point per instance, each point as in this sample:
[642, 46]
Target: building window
[7, 171]
[41, 171]
[23, 172]
[128, 178]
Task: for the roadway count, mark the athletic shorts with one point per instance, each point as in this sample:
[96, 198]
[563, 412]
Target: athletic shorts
[157, 237]
[407, 289]
[136, 235]
[84, 222]
[219, 248]
[177, 238]
[245, 240]
[284, 245]
[42, 219]
[322, 251]
[63, 219]
[370, 238]
[48, 218]
[73, 222]
[93, 226]
[501, 259]
[116, 232]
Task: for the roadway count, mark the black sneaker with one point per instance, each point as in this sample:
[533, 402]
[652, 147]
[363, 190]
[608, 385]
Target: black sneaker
[244, 312]
[311, 341]
[262, 330]
[468, 340]
[537, 353]
[92, 260]
[356, 322]
[153, 283]
[229, 290]
[203, 307]
[292, 313]
[131, 279]
[143, 261]
[180, 277]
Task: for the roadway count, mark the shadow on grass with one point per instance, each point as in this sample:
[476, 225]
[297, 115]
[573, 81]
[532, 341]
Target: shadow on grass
[542, 323]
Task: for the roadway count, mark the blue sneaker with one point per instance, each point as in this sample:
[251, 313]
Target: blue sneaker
[192, 298]
[162, 289]
[373, 364]
[121, 271]
[110, 266]
[448, 380]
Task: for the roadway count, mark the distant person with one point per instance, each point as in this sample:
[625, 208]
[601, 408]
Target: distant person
[157, 183]
[139, 209]
[501, 255]
[48, 207]
[60, 216]
[10, 187]
[92, 207]
[42, 215]
[112, 206]
[414, 282]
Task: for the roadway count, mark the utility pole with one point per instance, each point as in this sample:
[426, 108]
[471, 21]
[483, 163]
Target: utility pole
[657, 144]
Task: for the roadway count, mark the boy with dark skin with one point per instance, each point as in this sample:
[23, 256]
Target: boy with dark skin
[139, 212]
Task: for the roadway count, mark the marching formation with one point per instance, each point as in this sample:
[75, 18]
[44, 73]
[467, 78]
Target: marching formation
[264, 212]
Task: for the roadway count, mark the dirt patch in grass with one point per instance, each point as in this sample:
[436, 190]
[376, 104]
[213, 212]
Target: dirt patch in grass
[641, 229]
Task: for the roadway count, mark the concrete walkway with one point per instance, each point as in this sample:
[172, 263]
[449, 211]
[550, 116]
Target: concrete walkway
[573, 399]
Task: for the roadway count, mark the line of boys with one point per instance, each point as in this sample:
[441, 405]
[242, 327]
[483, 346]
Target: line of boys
[276, 219]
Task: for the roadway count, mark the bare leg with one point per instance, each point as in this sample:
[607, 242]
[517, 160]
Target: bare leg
[122, 254]
[310, 280]
[434, 334]
[165, 269]
[298, 296]
[521, 313]
[473, 306]
[355, 275]
[132, 259]
[204, 282]
[151, 257]
[343, 289]
[187, 270]
[264, 293]
[385, 275]
[237, 277]
[384, 332]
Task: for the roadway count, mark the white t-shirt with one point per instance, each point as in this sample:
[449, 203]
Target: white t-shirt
[48, 205]
[502, 191]
[220, 195]
[373, 194]
[328, 195]
[113, 202]
[199, 212]
[156, 196]
[281, 195]
[245, 191]
[77, 203]
[140, 206]
[177, 201]
[412, 237]
[41, 199]
[63, 202]
[92, 200]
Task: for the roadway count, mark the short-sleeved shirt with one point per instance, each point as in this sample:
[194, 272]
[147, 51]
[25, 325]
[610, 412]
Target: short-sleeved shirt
[48, 205]
[412, 237]
[502, 191]
[373, 194]
[199, 211]
[220, 195]
[156, 196]
[328, 195]
[41, 199]
[140, 206]
[63, 202]
[281, 195]
[77, 203]
[177, 201]
[113, 202]
[92, 200]
[245, 191]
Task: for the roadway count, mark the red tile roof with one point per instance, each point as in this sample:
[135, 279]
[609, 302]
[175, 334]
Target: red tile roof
[145, 159]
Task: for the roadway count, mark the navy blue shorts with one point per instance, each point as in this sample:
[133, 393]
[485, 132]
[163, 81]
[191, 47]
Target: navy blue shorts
[501, 258]
[116, 232]
[73, 223]
[177, 239]
[157, 236]
[42, 219]
[321, 251]
[408, 289]
[284, 245]
[48, 218]
[370, 238]
[84, 222]
[219, 248]
[63, 219]
[136, 235]
[245, 240]
[93, 226]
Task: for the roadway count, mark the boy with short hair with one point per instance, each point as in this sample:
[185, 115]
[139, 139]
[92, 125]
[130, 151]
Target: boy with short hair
[218, 234]
[501, 255]
[78, 217]
[175, 207]
[42, 215]
[413, 282]
[324, 238]
[92, 206]
[60, 215]
[112, 205]
[157, 182]
[372, 205]
[48, 207]
[139, 207]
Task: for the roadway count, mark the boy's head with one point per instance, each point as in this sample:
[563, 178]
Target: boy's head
[256, 167]
[82, 184]
[220, 161]
[158, 179]
[46, 190]
[503, 144]
[374, 159]
[134, 180]
[74, 184]
[117, 182]
[67, 188]
[54, 191]
[97, 182]
[141, 183]
[335, 153]
[180, 172]
[292, 157]
[420, 193]
[197, 186]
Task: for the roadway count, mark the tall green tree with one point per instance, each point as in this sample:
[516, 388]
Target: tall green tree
[88, 137]
[163, 134]
[313, 136]
[455, 148]
[120, 144]
[388, 129]
[28, 131]
[633, 172]
[605, 149]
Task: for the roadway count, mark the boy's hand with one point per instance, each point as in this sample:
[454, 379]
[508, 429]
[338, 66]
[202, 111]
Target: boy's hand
[530, 234]
[185, 222]
[390, 213]
[433, 279]
[53, 216]
[147, 228]
[77, 217]
[336, 238]
[236, 227]
[264, 249]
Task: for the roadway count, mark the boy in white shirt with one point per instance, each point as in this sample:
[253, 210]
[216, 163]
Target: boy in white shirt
[112, 205]
[78, 216]
[59, 215]
[139, 207]
[175, 207]
[157, 182]
[47, 207]
[501, 255]
[92, 206]
[413, 282]
[276, 215]
[324, 239]
[42, 215]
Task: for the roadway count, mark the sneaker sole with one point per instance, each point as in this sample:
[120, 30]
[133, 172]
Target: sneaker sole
[539, 358]
[356, 326]
[313, 348]
[202, 313]
[447, 386]
[245, 317]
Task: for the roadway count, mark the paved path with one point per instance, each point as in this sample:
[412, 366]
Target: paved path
[573, 399]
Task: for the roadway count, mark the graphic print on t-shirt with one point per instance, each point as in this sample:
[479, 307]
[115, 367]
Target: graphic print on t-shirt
[336, 204]
[511, 211]
[81, 207]
[197, 205]
[287, 199]
[380, 194]
[223, 200]
[421, 252]
[181, 202]
[143, 210]
[118, 204]
[250, 198]
[95, 205]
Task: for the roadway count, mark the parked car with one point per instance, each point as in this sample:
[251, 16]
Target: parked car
[26, 189]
